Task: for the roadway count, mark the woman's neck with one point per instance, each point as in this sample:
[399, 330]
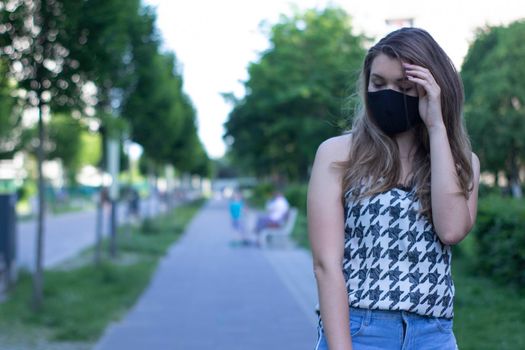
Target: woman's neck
[405, 143]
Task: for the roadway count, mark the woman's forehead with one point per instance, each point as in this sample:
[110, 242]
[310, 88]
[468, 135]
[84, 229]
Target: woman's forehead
[387, 68]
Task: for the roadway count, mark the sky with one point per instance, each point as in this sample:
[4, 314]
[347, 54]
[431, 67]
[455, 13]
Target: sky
[216, 40]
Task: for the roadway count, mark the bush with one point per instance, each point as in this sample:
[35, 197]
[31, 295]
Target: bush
[500, 239]
[487, 190]
[150, 226]
[261, 193]
[27, 190]
[296, 195]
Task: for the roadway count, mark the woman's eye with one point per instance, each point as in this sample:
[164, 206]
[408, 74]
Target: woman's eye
[377, 86]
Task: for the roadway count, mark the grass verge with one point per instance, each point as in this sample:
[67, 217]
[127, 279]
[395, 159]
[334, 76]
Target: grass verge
[80, 301]
[488, 314]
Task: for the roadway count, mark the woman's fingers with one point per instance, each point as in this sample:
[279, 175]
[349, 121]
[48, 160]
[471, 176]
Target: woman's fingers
[423, 77]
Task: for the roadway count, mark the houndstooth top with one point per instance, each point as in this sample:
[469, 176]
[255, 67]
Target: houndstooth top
[393, 259]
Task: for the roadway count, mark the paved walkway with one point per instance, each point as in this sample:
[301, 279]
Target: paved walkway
[209, 295]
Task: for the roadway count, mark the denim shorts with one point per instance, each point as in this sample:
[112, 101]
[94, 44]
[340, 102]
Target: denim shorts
[395, 330]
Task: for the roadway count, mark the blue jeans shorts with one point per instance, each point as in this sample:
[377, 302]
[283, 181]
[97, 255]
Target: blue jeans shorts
[395, 330]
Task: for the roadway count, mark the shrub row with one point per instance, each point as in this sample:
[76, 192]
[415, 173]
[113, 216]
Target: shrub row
[499, 236]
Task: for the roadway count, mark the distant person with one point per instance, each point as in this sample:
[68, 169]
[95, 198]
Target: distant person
[237, 209]
[387, 200]
[104, 197]
[275, 215]
[133, 204]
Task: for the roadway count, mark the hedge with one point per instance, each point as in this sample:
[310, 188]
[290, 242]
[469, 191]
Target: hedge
[499, 236]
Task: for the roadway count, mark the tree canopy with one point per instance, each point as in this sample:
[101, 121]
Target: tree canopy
[494, 80]
[10, 130]
[113, 44]
[295, 93]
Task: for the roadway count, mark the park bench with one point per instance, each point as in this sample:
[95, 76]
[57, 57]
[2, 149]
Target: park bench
[280, 237]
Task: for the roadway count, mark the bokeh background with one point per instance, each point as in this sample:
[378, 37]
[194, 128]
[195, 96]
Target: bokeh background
[122, 122]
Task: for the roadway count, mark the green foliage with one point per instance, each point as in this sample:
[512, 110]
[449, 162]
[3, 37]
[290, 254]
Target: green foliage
[500, 239]
[27, 190]
[296, 195]
[487, 314]
[485, 190]
[150, 226]
[224, 168]
[295, 93]
[42, 25]
[9, 121]
[91, 148]
[495, 98]
[108, 288]
[113, 126]
[100, 36]
[261, 193]
[115, 45]
[34, 37]
[65, 134]
[300, 230]
[161, 115]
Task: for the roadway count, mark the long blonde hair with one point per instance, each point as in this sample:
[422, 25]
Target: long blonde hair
[374, 156]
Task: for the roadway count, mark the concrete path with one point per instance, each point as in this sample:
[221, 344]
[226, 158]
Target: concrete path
[207, 294]
[65, 236]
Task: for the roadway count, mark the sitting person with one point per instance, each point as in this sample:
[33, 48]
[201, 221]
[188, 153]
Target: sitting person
[276, 213]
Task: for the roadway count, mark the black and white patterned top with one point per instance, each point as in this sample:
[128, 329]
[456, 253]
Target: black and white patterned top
[393, 259]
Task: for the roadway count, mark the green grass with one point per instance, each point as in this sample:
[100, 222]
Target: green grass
[488, 315]
[80, 301]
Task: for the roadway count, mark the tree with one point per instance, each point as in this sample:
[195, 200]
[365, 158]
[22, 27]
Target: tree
[495, 100]
[153, 107]
[101, 39]
[10, 131]
[100, 35]
[161, 115]
[187, 152]
[295, 93]
[65, 134]
[33, 40]
[90, 149]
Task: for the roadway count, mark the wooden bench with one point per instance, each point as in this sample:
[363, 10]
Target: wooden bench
[280, 237]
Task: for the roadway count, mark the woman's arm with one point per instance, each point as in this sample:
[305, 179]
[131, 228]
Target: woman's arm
[453, 214]
[326, 234]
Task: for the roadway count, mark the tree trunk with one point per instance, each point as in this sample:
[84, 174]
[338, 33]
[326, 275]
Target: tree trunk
[514, 176]
[114, 226]
[38, 276]
[113, 169]
[151, 187]
[99, 227]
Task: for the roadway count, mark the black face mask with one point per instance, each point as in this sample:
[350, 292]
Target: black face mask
[393, 111]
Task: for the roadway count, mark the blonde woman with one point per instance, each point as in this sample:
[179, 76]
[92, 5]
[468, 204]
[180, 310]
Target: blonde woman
[388, 199]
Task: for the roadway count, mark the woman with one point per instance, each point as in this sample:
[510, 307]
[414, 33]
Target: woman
[387, 200]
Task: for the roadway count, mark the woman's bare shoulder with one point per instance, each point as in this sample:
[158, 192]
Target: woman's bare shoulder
[335, 149]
